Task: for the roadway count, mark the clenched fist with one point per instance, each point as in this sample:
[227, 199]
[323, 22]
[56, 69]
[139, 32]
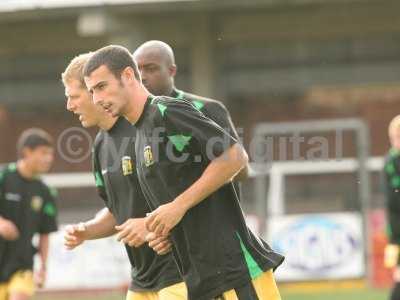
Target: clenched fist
[74, 235]
[160, 244]
[8, 230]
[132, 232]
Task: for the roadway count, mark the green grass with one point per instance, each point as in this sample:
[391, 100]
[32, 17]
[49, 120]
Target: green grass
[364, 294]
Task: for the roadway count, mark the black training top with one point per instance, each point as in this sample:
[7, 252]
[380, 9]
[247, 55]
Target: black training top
[30, 205]
[392, 192]
[117, 183]
[216, 111]
[212, 244]
[213, 109]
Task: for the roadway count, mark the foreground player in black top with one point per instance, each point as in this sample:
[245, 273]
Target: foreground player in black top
[185, 163]
[153, 276]
[156, 63]
[27, 207]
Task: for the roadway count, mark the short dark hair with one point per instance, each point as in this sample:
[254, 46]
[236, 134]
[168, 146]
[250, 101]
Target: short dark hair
[32, 138]
[115, 58]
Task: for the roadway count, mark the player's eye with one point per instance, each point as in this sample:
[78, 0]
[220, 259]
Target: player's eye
[101, 86]
[96, 89]
[151, 69]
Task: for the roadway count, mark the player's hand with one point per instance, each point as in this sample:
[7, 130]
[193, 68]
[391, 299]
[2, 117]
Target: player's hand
[391, 256]
[164, 218]
[132, 232]
[74, 235]
[40, 277]
[160, 244]
[8, 230]
[396, 274]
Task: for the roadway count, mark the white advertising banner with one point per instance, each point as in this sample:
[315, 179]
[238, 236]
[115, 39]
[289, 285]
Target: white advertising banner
[94, 264]
[318, 246]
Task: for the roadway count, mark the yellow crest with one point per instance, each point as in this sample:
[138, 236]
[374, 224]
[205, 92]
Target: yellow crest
[148, 156]
[36, 203]
[127, 167]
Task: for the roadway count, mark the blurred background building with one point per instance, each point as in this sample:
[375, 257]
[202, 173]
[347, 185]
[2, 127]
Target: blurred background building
[268, 61]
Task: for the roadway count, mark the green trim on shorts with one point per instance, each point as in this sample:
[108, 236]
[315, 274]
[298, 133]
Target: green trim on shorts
[252, 266]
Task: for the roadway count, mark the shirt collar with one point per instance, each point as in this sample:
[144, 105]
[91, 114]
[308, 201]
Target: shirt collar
[177, 94]
[150, 98]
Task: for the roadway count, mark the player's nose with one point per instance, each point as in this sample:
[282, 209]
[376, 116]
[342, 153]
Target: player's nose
[70, 105]
[97, 100]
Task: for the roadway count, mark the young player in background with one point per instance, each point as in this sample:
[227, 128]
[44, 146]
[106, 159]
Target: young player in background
[27, 207]
[392, 193]
[153, 277]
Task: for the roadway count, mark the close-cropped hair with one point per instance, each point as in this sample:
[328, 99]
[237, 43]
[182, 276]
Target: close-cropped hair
[115, 58]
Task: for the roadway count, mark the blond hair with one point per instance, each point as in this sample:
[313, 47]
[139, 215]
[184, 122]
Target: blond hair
[74, 70]
[394, 125]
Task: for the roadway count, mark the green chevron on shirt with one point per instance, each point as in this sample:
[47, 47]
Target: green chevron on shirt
[2, 176]
[99, 180]
[390, 169]
[395, 181]
[199, 105]
[180, 95]
[53, 192]
[180, 141]
[394, 152]
[12, 167]
[162, 108]
[49, 209]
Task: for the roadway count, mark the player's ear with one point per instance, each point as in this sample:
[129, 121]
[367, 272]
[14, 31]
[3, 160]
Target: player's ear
[26, 152]
[127, 75]
[172, 70]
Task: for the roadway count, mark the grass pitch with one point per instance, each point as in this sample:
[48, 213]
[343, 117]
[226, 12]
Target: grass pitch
[357, 294]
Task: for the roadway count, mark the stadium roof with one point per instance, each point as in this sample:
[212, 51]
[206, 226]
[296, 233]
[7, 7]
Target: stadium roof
[16, 5]
[29, 5]
[23, 10]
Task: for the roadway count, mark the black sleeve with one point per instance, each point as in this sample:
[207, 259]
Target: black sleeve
[184, 123]
[98, 176]
[217, 112]
[48, 218]
[3, 173]
[391, 177]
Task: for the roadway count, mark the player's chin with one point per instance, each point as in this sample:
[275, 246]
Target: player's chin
[87, 123]
[115, 113]
[44, 168]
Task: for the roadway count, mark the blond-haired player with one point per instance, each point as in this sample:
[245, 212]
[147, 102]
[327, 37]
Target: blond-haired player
[153, 276]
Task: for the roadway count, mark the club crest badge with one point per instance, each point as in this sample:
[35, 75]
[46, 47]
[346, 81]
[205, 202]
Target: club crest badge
[127, 167]
[36, 203]
[148, 156]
